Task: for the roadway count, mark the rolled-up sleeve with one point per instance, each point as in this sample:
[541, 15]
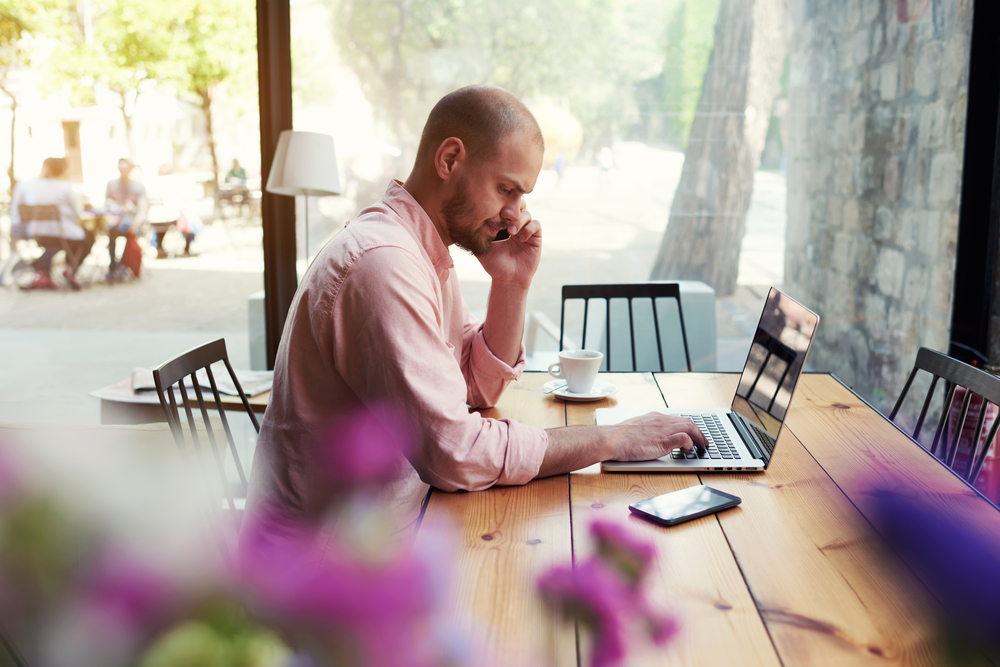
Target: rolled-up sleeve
[486, 375]
[391, 349]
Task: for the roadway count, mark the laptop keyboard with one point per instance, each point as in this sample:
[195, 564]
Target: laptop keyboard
[719, 444]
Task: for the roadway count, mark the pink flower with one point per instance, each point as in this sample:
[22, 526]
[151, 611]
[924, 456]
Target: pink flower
[621, 552]
[381, 614]
[365, 446]
[605, 593]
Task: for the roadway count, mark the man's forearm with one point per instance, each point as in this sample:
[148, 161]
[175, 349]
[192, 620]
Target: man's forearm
[573, 447]
[504, 323]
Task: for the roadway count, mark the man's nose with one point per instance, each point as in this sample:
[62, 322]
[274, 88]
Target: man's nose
[511, 211]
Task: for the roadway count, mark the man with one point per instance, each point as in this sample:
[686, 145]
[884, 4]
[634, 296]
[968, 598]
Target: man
[379, 322]
[51, 189]
[127, 200]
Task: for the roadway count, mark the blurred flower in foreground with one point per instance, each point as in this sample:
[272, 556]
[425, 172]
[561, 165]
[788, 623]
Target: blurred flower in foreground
[344, 589]
[605, 594]
[958, 563]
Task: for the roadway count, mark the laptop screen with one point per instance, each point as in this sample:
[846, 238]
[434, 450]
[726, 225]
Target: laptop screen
[774, 364]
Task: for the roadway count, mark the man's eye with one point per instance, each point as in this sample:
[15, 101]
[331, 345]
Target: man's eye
[504, 191]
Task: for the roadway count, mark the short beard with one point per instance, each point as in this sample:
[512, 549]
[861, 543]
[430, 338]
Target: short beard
[454, 210]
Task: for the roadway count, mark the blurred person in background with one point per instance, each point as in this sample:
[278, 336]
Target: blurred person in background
[237, 174]
[50, 188]
[126, 199]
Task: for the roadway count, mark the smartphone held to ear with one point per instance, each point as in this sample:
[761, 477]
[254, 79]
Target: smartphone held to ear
[679, 506]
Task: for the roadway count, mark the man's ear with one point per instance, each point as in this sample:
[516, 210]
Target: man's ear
[449, 154]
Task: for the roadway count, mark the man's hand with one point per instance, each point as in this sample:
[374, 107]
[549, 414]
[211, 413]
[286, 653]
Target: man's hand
[514, 261]
[638, 439]
[655, 434]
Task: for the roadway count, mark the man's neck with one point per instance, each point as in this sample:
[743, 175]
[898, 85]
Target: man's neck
[429, 198]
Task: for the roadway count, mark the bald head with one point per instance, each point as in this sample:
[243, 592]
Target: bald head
[482, 117]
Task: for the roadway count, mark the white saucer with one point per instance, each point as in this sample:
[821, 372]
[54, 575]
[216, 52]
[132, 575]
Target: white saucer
[597, 392]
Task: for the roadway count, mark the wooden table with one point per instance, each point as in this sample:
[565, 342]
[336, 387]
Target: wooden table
[796, 575]
[121, 405]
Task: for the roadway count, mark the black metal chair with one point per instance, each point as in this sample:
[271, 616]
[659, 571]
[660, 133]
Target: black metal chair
[955, 374]
[651, 291]
[181, 375]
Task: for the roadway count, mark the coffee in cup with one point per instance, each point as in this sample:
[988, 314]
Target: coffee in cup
[579, 369]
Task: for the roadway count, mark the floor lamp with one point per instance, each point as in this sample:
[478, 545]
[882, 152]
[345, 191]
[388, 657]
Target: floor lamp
[305, 163]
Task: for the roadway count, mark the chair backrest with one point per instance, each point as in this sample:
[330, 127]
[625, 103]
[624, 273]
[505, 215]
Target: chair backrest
[183, 374]
[631, 291]
[46, 213]
[955, 374]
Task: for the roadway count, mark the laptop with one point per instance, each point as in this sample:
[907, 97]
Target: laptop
[743, 436]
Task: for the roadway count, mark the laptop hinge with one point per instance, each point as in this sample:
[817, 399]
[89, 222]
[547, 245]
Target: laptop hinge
[749, 439]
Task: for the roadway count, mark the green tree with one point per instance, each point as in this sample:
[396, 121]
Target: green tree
[584, 53]
[218, 36]
[130, 46]
[20, 20]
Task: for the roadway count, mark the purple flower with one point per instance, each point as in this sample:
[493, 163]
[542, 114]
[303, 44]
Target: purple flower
[955, 560]
[595, 596]
[365, 446]
[605, 593]
[382, 614]
[621, 552]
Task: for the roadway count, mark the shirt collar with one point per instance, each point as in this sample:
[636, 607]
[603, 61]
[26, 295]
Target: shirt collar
[419, 223]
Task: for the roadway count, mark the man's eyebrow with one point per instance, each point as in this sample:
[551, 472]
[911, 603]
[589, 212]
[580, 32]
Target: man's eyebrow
[517, 186]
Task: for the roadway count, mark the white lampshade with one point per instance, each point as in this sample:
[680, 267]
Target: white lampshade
[305, 163]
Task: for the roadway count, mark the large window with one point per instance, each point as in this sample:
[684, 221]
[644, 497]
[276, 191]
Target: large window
[817, 149]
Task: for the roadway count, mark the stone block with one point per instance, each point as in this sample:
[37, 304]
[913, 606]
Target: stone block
[889, 272]
[864, 175]
[875, 311]
[844, 177]
[915, 288]
[891, 179]
[856, 139]
[889, 81]
[862, 45]
[913, 178]
[885, 219]
[948, 233]
[849, 215]
[929, 233]
[955, 60]
[955, 138]
[843, 253]
[907, 231]
[933, 126]
[835, 212]
[867, 254]
[926, 76]
[877, 38]
[944, 178]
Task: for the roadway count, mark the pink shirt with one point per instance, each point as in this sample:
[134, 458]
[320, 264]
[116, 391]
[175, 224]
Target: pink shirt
[379, 320]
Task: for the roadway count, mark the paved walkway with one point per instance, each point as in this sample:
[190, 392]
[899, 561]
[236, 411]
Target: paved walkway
[58, 346]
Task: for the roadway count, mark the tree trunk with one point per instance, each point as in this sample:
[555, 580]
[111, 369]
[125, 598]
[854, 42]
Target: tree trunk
[13, 123]
[206, 108]
[128, 128]
[708, 215]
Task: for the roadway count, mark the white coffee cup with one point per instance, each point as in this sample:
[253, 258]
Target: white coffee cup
[579, 369]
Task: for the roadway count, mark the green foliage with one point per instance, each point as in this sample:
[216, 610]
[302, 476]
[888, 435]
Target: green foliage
[222, 634]
[216, 39]
[691, 33]
[582, 53]
[20, 19]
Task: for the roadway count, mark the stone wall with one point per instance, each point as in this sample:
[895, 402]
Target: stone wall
[877, 105]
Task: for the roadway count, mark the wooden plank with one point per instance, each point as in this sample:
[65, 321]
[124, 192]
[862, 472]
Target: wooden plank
[865, 454]
[695, 575]
[822, 579]
[506, 538]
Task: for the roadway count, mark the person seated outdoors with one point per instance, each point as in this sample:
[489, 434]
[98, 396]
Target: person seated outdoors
[126, 200]
[50, 188]
[237, 174]
[378, 323]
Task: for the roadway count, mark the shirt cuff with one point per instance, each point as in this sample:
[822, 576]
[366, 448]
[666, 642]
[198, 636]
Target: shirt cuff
[486, 364]
[526, 447]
